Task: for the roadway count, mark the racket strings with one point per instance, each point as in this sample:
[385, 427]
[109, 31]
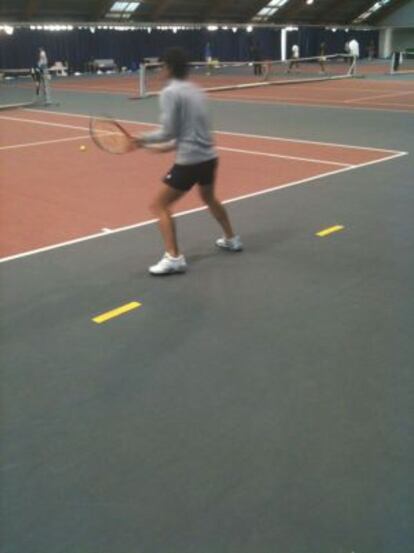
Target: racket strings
[110, 137]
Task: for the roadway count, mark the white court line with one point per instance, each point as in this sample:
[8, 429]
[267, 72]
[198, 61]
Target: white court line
[333, 86]
[107, 90]
[307, 104]
[359, 89]
[338, 103]
[47, 123]
[283, 156]
[379, 97]
[44, 142]
[264, 137]
[235, 150]
[406, 104]
[198, 209]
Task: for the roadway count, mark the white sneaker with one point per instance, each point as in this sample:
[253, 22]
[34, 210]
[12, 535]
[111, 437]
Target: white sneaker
[232, 244]
[169, 265]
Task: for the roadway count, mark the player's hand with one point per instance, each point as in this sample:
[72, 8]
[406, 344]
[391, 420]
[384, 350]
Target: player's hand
[138, 141]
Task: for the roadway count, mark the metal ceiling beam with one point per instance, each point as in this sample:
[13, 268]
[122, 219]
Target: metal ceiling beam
[325, 13]
[296, 11]
[290, 8]
[363, 6]
[387, 10]
[257, 5]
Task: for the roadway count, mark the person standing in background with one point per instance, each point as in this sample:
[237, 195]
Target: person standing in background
[322, 57]
[256, 57]
[354, 48]
[294, 59]
[42, 66]
[354, 52]
[346, 50]
[208, 57]
[371, 50]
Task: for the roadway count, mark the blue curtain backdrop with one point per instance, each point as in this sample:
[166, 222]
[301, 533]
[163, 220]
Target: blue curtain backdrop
[128, 48]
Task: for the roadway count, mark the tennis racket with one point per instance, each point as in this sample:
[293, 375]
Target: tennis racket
[110, 136]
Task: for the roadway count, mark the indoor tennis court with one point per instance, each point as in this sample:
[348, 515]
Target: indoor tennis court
[263, 400]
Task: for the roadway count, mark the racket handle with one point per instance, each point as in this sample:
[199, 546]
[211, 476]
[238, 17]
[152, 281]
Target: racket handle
[137, 142]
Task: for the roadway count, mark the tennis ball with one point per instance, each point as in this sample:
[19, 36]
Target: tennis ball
[82, 148]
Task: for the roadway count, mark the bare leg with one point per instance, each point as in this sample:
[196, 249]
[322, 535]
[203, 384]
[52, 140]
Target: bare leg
[216, 209]
[161, 209]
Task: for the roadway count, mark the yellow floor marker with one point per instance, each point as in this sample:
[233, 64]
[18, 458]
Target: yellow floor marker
[99, 319]
[329, 230]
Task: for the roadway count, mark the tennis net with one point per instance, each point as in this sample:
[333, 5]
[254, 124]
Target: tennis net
[220, 76]
[17, 88]
[402, 63]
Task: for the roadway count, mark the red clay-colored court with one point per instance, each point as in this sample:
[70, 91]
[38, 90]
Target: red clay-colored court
[55, 193]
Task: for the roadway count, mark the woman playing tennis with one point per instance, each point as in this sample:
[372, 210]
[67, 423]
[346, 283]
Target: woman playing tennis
[185, 128]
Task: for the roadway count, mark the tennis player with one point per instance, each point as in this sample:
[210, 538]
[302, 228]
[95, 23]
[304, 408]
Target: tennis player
[354, 48]
[42, 67]
[37, 78]
[294, 60]
[256, 56]
[185, 128]
[322, 57]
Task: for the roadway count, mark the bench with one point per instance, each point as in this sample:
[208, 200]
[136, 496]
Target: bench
[59, 69]
[104, 65]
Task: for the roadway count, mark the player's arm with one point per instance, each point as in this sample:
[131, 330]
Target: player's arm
[156, 147]
[167, 134]
[162, 148]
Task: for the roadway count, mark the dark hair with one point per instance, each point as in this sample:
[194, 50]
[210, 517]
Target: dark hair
[176, 61]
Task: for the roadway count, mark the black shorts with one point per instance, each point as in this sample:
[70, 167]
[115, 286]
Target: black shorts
[184, 177]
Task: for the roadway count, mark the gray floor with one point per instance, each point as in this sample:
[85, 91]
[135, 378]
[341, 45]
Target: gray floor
[261, 403]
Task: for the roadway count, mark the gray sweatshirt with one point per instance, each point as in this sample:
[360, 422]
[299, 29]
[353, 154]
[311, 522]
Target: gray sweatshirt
[184, 118]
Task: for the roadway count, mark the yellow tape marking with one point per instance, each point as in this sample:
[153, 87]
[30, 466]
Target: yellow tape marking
[329, 230]
[116, 312]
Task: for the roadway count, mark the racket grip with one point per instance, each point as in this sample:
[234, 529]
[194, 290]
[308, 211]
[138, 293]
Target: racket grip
[137, 142]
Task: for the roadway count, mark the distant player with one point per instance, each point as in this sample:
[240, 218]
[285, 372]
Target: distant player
[371, 50]
[208, 56]
[346, 50]
[37, 78]
[185, 128]
[294, 58]
[354, 48]
[322, 57]
[43, 70]
[353, 51]
[256, 56]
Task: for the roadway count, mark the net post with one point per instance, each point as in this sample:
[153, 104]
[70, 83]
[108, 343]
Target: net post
[142, 76]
